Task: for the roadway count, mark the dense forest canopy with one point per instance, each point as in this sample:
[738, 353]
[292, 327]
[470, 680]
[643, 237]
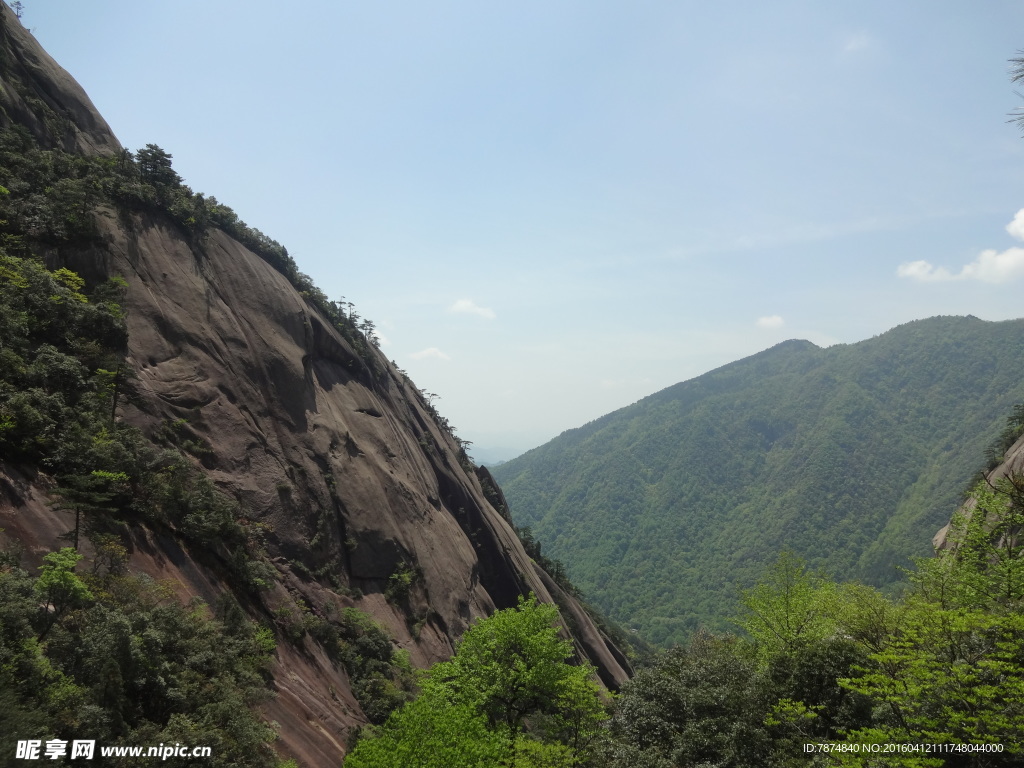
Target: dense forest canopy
[851, 456]
[819, 673]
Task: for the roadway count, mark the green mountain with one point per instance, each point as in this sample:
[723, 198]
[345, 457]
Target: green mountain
[850, 456]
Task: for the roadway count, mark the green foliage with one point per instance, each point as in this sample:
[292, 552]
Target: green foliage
[1011, 432]
[50, 194]
[154, 165]
[850, 456]
[431, 733]
[843, 665]
[986, 536]
[509, 696]
[513, 664]
[62, 353]
[50, 197]
[53, 340]
[382, 678]
[400, 583]
[789, 609]
[951, 669]
[58, 588]
[703, 705]
[118, 658]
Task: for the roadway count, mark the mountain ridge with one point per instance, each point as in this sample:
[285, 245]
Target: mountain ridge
[762, 454]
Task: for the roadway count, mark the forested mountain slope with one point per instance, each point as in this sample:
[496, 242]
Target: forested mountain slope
[179, 401]
[850, 456]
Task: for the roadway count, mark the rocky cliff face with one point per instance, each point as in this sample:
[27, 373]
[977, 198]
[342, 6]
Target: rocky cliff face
[332, 449]
[1011, 465]
[30, 79]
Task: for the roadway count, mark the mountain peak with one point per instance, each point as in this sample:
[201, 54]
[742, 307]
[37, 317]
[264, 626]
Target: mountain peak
[851, 456]
[36, 93]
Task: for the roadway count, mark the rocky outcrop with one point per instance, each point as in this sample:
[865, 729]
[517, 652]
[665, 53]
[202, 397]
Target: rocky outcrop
[36, 93]
[331, 448]
[1012, 464]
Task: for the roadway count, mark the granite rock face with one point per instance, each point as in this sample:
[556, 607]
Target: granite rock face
[1011, 465]
[335, 451]
[30, 78]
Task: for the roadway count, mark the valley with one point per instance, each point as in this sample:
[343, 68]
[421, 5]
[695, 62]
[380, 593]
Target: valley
[850, 456]
[230, 522]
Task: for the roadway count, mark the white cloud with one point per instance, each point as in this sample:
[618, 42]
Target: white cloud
[430, 353]
[922, 270]
[468, 307]
[771, 321]
[996, 267]
[1016, 227]
[991, 266]
[383, 340]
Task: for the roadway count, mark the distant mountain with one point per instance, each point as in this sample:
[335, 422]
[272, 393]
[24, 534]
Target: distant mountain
[490, 457]
[850, 456]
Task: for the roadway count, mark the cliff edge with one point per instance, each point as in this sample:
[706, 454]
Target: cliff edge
[365, 497]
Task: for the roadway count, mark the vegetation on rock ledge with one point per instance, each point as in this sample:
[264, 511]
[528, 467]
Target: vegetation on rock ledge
[115, 658]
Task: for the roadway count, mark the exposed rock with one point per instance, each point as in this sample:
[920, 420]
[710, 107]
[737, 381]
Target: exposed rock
[1012, 464]
[36, 93]
[335, 451]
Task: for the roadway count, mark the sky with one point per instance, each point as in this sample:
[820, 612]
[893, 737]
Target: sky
[552, 209]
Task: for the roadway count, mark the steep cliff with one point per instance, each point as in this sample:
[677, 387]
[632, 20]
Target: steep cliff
[364, 495]
[40, 95]
[1011, 466]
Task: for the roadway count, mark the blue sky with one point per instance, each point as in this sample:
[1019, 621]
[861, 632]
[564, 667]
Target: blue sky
[552, 209]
